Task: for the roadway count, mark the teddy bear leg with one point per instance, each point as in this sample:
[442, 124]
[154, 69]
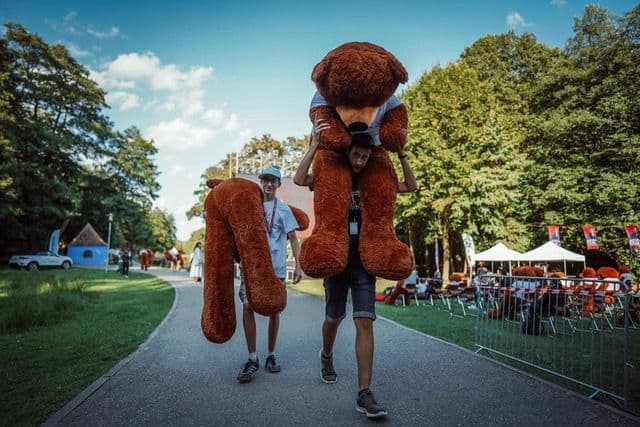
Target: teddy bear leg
[218, 320]
[382, 254]
[325, 252]
[265, 293]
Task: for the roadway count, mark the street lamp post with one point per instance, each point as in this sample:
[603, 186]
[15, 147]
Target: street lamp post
[106, 266]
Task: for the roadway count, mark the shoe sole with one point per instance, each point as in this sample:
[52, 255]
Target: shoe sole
[327, 381]
[370, 415]
[244, 381]
[274, 370]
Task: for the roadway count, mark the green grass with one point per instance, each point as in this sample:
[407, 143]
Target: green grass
[81, 323]
[569, 353]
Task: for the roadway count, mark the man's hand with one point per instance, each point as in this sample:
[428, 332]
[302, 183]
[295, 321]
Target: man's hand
[297, 274]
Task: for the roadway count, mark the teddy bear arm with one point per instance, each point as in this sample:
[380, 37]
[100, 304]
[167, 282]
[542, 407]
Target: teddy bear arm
[301, 218]
[265, 293]
[336, 137]
[218, 319]
[393, 129]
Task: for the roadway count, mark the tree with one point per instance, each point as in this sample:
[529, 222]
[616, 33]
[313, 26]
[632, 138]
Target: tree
[251, 159]
[131, 162]
[465, 159]
[163, 228]
[57, 121]
[587, 142]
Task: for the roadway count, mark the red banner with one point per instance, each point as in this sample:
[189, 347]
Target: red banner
[554, 234]
[633, 233]
[590, 236]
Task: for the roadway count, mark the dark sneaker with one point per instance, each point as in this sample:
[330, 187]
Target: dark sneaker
[271, 364]
[327, 373]
[366, 404]
[248, 369]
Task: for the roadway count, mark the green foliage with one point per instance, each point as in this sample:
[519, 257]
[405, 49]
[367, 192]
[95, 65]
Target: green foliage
[51, 114]
[163, 229]
[464, 155]
[586, 143]
[251, 159]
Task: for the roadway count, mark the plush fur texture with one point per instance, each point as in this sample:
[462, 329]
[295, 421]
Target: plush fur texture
[356, 76]
[235, 229]
[607, 273]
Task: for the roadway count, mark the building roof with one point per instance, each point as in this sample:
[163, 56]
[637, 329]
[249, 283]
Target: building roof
[88, 237]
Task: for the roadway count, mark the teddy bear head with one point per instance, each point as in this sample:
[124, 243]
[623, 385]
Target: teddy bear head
[357, 78]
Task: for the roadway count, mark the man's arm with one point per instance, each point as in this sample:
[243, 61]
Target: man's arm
[295, 248]
[409, 184]
[302, 176]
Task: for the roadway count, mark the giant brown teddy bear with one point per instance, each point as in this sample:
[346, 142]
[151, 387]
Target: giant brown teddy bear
[356, 81]
[235, 230]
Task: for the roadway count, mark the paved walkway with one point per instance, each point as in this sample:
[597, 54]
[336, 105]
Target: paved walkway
[177, 378]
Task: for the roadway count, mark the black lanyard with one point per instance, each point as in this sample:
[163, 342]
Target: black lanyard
[269, 224]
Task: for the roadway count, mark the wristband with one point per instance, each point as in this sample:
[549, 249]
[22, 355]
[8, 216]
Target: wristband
[404, 156]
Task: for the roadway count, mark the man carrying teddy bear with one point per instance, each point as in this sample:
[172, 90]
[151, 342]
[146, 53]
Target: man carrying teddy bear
[354, 276]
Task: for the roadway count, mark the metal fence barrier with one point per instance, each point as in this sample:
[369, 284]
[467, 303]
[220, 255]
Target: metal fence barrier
[585, 331]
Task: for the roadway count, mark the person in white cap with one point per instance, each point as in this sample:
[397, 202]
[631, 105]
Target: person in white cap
[280, 226]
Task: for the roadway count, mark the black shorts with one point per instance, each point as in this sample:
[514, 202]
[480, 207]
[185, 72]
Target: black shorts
[363, 294]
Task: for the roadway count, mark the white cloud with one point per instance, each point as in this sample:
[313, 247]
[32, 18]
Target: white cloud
[180, 135]
[558, 3]
[107, 82]
[124, 100]
[113, 32]
[147, 67]
[75, 50]
[514, 20]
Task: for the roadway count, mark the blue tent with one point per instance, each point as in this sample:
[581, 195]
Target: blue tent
[87, 248]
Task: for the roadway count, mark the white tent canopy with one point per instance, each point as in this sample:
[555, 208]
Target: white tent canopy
[498, 252]
[551, 252]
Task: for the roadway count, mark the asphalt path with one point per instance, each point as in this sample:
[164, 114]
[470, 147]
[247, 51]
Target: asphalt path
[178, 378]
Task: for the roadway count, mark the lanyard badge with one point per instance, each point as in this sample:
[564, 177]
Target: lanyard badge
[268, 225]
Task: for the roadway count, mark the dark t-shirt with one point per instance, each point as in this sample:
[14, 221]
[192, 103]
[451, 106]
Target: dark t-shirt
[354, 225]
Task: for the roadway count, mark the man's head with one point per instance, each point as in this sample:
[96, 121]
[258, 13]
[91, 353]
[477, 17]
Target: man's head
[270, 181]
[359, 151]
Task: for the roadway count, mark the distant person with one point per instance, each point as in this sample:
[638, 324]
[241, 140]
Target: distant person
[125, 256]
[195, 272]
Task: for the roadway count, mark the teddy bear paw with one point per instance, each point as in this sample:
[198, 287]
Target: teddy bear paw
[324, 254]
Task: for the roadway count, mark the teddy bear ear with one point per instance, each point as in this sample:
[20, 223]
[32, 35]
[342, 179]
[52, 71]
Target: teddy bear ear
[319, 71]
[213, 182]
[398, 70]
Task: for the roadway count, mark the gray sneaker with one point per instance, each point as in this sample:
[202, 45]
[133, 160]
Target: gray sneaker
[327, 373]
[248, 369]
[367, 404]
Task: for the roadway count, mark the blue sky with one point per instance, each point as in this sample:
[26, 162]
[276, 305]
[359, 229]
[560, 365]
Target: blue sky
[202, 77]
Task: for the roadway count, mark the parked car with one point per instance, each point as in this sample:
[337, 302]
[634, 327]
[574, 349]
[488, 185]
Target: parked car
[43, 259]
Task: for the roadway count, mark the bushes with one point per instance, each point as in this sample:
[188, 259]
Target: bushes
[43, 299]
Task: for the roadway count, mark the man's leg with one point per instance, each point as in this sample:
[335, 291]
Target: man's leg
[364, 313]
[274, 326]
[329, 332]
[364, 351]
[249, 327]
[335, 290]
